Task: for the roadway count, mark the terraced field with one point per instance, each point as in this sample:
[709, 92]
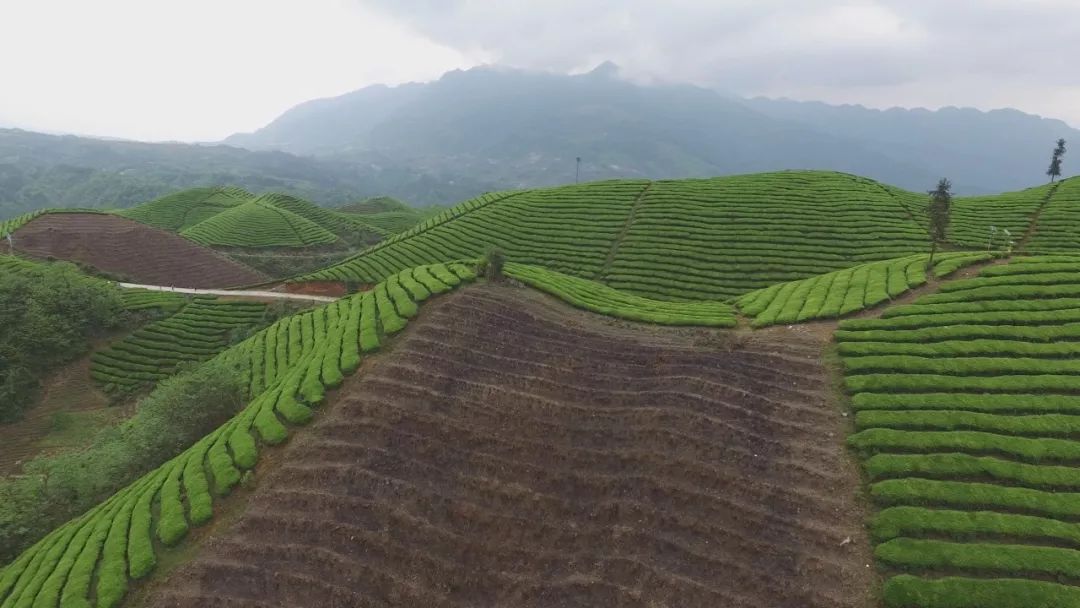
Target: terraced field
[670, 240]
[182, 210]
[966, 407]
[599, 298]
[129, 249]
[989, 221]
[507, 450]
[548, 461]
[1058, 226]
[259, 223]
[200, 330]
[93, 557]
[846, 291]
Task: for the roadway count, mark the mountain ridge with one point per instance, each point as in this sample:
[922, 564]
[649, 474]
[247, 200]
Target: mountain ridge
[525, 129]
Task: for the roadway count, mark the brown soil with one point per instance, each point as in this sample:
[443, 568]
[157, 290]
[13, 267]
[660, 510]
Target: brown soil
[511, 452]
[318, 288]
[125, 248]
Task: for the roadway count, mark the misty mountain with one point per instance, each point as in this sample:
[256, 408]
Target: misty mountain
[517, 129]
[39, 170]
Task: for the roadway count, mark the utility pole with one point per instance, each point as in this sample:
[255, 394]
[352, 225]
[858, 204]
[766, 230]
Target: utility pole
[577, 171]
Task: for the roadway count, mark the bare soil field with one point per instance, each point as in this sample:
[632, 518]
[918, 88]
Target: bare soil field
[128, 249]
[509, 451]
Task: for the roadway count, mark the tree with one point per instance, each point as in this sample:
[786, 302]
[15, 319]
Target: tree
[1055, 161]
[492, 264]
[940, 204]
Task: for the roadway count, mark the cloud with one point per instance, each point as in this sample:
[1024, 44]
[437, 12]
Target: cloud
[981, 53]
[198, 69]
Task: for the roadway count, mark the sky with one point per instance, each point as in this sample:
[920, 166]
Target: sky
[200, 70]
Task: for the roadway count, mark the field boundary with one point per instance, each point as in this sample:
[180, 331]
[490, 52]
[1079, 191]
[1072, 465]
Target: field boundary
[622, 232]
[1034, 224]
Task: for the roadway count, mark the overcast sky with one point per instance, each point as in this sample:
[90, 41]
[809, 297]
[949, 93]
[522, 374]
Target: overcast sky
[202, 69]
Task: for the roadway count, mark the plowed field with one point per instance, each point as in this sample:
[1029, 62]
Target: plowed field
[510, 452]
[130, 250]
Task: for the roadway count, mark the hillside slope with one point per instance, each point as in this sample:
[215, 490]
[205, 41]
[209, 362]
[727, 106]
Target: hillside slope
[129, 249]
[679, 239]
[182, 210]
[548, 460]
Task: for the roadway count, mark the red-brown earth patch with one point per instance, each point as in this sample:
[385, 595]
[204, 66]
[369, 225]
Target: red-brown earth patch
[130, 250]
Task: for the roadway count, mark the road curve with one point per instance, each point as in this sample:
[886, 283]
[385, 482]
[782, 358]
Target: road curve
[238, 293]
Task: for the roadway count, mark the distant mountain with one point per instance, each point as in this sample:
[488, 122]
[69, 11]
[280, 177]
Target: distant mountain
[38, 170]
[519, 129]
[996, 150]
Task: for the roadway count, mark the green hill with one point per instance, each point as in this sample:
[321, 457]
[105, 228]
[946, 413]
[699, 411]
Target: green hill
[182, 210]
[387, 215]
[259, 223]
[377, 204]
[676, 240]
[716, 238]
[231, 217]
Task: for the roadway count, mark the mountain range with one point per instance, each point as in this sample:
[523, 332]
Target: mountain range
[520, 129]
[494, 128]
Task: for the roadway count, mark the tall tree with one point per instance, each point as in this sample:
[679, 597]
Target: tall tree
[1055, 161]
[940, 205]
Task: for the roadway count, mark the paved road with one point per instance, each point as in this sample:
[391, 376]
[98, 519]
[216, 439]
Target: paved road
[277, 295]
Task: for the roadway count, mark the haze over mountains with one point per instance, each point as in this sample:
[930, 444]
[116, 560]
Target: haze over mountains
[493, 128]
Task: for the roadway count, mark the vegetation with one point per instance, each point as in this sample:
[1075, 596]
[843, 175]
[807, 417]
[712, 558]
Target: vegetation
[938, 215]
[1055, 160]
[258, 223]
[200, 330]
[48, 313]
[1058, 229]
[286, 369]
[966, 409]
[846, 291]
[599, 298]
[182, 410]
[628, 234]
[182, 210]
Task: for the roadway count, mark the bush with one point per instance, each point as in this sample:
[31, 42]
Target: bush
[47, 315]
[493, 264]
[178, 413]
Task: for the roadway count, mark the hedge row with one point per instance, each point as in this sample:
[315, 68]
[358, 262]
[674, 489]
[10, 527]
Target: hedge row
[968, 419]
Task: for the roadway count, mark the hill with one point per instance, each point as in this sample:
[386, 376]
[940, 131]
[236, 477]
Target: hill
[231, 217]
[518, 129]
[476, 442]
[684, 239]
[716, 238]
[182, 210]
[39, 170]
[259, 223]
[125, 248]
[378, 204]
[387, 215]
[502, 474]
